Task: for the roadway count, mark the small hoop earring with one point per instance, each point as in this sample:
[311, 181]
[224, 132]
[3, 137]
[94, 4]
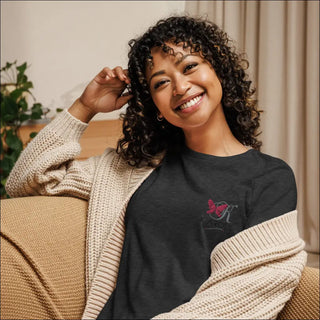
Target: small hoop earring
[159, 118]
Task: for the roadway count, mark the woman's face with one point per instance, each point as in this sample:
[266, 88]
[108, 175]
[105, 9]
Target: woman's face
[184, 87]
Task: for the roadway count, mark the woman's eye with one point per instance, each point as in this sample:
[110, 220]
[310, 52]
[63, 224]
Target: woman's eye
[159, 83]
[189, 67]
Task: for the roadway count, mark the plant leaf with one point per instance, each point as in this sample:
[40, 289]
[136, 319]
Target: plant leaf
[33, 134]
[8, 66]
[3, 190]
[7, 164]
[22, 68]
[8, 119]
[27, 85]
[23, 104]
[15, 94]
[24, 117]
[2, 111]
[21, 78]
[10, 106]
[36, 111]
[13, 141]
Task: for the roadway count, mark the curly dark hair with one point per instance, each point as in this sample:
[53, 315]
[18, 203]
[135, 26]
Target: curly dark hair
[144, 137]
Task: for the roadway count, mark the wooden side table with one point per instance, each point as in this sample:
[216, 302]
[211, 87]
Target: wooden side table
[98, 136]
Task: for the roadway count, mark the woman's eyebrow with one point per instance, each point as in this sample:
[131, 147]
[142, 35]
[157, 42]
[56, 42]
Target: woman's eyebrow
[176, 63]
[156, 74]
[183, 57]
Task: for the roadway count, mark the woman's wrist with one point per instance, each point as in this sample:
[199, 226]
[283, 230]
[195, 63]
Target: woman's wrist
[81, 111]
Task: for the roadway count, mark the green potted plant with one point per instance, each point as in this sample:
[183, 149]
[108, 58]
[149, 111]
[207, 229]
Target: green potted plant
[15, 110]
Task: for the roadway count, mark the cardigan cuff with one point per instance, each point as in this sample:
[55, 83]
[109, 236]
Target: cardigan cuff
[67, 126]
[280, 233]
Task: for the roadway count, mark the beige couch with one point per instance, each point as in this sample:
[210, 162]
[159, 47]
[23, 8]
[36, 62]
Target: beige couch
[43, 262]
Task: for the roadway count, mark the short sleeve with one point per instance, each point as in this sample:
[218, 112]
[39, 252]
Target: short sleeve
[274, 192]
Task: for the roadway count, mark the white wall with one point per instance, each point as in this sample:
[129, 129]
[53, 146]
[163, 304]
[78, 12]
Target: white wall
[66, 43]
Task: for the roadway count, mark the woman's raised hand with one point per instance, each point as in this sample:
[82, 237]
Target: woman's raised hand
[103, 94]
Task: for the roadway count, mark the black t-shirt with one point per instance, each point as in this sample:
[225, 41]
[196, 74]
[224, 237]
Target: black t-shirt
[188, 205]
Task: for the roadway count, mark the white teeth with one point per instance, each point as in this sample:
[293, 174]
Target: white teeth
[190, 103]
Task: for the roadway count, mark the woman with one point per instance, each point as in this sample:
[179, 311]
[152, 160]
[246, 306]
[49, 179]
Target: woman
[187, 218]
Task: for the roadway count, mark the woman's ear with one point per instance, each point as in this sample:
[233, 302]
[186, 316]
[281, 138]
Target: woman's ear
[159, 117]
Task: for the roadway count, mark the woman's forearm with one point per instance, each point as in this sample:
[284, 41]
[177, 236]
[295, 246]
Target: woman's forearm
[81, 112]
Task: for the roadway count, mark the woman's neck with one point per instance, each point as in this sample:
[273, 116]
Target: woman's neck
[215, 138]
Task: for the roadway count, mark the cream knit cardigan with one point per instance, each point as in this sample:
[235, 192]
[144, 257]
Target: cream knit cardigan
[253, 272]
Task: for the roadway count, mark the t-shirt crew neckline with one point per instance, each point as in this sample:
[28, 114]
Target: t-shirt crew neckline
[205, 156]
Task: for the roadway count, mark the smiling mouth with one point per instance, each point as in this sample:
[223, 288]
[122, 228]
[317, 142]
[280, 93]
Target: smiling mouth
[190, 103]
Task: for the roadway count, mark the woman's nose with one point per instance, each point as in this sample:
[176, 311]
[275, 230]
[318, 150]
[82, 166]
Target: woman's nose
[181, 86]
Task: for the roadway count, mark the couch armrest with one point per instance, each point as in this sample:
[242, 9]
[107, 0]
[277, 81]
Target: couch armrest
[304, 303]
[43, 258]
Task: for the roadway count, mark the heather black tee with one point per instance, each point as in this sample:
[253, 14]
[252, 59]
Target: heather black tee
[188, 205]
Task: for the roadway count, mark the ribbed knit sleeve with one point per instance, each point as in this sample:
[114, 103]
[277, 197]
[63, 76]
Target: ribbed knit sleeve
[253, 274]
[47, 165]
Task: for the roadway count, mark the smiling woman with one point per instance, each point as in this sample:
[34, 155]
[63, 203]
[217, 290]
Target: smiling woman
[187, 218]
[188, 57]
[188, 93]
[182, 85]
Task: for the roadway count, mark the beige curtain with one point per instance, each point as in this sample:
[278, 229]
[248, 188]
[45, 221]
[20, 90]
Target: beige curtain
[281, 39]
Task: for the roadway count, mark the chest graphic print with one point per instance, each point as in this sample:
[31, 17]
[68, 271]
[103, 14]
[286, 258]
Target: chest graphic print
[217, 215]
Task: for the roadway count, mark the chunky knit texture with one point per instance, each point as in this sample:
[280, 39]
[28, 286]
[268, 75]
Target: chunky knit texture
[253, 273]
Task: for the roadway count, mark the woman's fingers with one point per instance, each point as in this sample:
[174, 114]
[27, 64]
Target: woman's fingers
[122, 74]
[108, 74]
[122, 100]
[104, 75]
